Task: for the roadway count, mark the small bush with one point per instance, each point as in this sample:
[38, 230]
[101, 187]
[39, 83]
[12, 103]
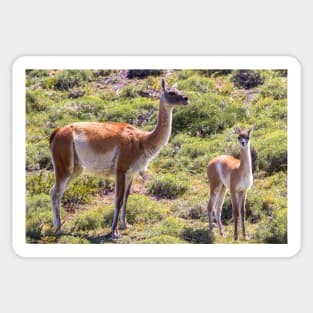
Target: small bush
[80, 191]
[197, 233]
[283, 73]
[129, 91]
[273, 229]
[168, 186]
[215, 73]
[39, 224]
[38, 183]
[140, 210]
[247, 79]
[36, 101]
[84, 222]
[275, 88]
[164, 239]
[143, 73]
[67, 79]
[37, 203]
[272, 152]
[37, 73]
[38, 155]
[207, 115]
[196, 83]
[170, 226]
[101, 73]
[72, 240]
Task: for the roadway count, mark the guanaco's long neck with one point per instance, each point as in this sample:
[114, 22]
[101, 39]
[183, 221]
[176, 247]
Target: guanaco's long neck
[245, 160]
[162, 131]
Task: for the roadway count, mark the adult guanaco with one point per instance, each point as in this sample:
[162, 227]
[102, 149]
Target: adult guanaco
[227, 172]
[109, 148]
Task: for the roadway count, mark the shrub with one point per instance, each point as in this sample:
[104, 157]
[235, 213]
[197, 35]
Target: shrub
[140, 210]
[273, 229]
[167, 186]
[270, 109]
[129, 91]
[247, 79]
[72, 240]
[197, 233]
[101, 73]
[215, 72]
[283, 73]
[275, 88]
[170, 226]
[272, 151]
[67, 79]
[130, 111]
[39, 224]
[194, 209]
[207, 115]
[143, 73]
[37, 73]
[163, 239]
[36, 101]
[37, 203]
[38, 183]
[80, 191]
[196, 83]
[85, 107]
[76, 93]
[38, 155]
[84, 222]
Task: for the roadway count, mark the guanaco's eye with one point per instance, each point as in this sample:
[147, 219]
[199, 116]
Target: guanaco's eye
[171, 93]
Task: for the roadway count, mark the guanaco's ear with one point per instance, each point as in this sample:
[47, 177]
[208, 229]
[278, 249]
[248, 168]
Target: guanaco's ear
[250, 130]
[163, 84]
[238, 130]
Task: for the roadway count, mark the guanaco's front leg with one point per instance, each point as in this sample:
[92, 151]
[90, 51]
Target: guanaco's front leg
[234, 203]
[243, 214]
[119, 195]
[128, 184]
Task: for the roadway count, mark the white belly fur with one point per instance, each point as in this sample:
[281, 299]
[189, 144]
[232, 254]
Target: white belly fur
[92, 161]
[106, 163]
[224, 180]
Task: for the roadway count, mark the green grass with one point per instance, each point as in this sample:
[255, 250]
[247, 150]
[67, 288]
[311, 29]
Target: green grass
[169, 205]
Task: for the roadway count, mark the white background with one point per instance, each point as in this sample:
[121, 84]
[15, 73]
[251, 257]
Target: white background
[164, 28]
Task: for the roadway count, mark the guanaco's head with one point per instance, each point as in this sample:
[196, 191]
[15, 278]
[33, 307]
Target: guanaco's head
[172, 96]
[244, 136]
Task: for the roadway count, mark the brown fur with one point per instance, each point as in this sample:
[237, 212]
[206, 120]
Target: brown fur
[228, 172]
[116, 147]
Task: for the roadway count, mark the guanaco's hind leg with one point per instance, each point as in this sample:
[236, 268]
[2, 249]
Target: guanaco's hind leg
[219, 206]
[214, 197]
[56, 193]
[62, 152]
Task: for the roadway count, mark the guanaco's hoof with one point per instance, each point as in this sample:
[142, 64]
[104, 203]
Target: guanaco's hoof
[115, 235]
[247, 237]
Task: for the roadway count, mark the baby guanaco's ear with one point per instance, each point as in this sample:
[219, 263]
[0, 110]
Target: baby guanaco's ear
[250, 130]
[163, 84]
[238, 130]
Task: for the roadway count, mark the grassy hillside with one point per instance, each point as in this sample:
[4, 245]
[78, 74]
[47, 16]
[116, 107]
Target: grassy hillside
[168, 203]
